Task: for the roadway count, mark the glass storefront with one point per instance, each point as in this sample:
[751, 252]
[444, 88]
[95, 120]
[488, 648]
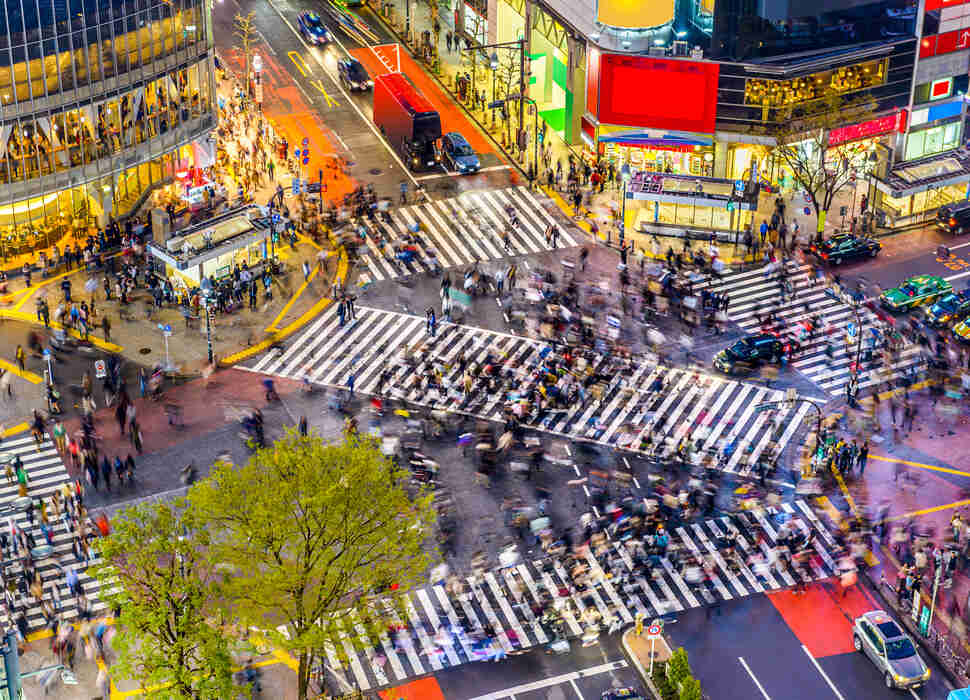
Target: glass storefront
[936, 139]
[40, 222]
[642, 213]
[38, 146]
[83, 90]
[678, 160]
[841, 81]
[930, 200]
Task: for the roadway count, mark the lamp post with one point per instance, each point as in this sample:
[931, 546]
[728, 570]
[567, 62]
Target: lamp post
[493, 64]
[625, 176]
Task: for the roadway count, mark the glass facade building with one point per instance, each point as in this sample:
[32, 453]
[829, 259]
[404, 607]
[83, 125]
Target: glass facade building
[100, 101]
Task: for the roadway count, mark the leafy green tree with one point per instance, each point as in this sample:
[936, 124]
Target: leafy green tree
[322, 540]
[691, 689]
[154, 569]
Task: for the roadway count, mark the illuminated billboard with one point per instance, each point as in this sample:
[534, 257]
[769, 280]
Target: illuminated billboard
[634, 14]
[658, 93]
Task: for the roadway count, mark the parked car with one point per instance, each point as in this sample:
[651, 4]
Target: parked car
[312, 27]
[877, 635]
[458, 154]
[916, 291]
[954, 217]
[353, 75]
[845, 247]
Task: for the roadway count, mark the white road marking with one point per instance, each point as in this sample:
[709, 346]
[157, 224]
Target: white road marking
[555, 680]
[754, 678]
[822, 673]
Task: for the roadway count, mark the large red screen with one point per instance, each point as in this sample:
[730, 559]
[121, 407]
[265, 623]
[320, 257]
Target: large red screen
[658, 93]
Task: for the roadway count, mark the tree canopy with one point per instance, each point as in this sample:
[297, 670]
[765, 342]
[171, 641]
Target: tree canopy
[322, 540]
[803, 133]
[154, 568]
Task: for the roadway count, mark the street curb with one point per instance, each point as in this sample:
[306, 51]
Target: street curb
[32, 320]
[635, 662]
[907, 622]
[343, 266]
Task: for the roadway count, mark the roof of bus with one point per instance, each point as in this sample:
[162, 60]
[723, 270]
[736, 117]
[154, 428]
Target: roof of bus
[405, 93]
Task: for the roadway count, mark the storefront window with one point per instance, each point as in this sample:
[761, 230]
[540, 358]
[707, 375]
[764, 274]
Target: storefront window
[667, 213]
[936, 139]
[720, 219]
[842, 81]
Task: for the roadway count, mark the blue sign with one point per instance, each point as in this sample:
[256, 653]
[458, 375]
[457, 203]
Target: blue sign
[297, 153]
[306, 161]
[739, 185]
[167, 328]
[850, 329]
[296, 185]
[47, 352]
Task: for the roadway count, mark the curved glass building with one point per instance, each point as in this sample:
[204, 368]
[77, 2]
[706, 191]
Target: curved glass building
[100, 102]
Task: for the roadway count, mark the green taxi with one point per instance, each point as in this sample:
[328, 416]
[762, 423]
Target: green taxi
[916, 291]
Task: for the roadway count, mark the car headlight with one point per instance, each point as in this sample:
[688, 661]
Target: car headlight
[926, 674]
[898, 678]
[370, 83]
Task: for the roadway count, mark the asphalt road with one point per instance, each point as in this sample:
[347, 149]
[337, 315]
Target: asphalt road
[765, 646]
[583, 674]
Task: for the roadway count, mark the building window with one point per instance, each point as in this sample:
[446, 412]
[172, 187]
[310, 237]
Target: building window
[937, 139]
[842, 81]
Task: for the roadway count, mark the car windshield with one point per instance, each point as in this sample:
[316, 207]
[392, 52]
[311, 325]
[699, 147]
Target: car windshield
[741, 349]
[949, 302]
[314, 23]
[357, 72]
[909, 290]
[900, 648]
[462, 149]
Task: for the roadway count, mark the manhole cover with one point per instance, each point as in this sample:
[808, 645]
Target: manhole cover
[374, 171]
[144, 351]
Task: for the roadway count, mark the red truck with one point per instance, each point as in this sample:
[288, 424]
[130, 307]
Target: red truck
[408, 120]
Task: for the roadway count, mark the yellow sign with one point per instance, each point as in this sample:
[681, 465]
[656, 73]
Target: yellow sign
[635, 14]
[318, 84]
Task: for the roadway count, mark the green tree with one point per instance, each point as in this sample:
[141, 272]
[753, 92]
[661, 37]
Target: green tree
[154, 569]
[690, 689]
[322, 540]
[802, 133]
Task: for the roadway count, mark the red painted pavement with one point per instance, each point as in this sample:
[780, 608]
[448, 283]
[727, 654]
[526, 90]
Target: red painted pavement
[378, 60]
[820, 619]
[421, 689]
[295, 119]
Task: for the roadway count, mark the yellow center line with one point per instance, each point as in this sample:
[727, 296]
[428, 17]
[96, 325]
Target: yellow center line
[926, 511]
[918, 465]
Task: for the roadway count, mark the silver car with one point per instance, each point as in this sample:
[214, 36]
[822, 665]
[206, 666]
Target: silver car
[877, 635]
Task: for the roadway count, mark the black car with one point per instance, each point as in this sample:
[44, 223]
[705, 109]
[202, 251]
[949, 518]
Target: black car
[353, 74]
[845, 247]
[954, 217]
[752, 351]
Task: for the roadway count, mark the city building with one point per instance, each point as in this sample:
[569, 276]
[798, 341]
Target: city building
[100, 102]
[690, 94]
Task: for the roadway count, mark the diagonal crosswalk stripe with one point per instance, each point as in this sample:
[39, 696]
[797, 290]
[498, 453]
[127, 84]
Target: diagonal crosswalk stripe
[462, 230]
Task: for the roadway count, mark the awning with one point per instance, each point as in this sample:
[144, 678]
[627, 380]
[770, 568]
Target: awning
[645, 138]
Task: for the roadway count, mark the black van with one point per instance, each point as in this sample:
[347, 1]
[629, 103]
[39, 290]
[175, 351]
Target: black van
[955, 217]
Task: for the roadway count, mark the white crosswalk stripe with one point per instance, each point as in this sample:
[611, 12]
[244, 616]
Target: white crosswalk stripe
[46, 474]
[436, 636]
[752, 292]
[717, 415]
[461, 230]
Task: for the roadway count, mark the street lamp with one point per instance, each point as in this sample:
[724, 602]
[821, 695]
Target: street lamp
[493, 64]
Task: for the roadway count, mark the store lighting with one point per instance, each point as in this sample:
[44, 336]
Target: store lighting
[681, 35]
[28, 205]
[658, 42]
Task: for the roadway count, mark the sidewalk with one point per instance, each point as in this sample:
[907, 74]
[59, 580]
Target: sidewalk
[639, 650]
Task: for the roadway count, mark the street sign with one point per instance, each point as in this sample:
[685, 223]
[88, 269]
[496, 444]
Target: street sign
[653, 631]
[739, 185]
[100, 371]
[296, 153]
[295, 185]
[306, 161]
[850, 328]
[165, 329]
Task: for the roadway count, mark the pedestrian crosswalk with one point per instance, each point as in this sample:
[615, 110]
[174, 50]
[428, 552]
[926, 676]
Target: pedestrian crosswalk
[444, 623]
[755, 292]
[462, 230]
[643, 402]
[46, 474]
